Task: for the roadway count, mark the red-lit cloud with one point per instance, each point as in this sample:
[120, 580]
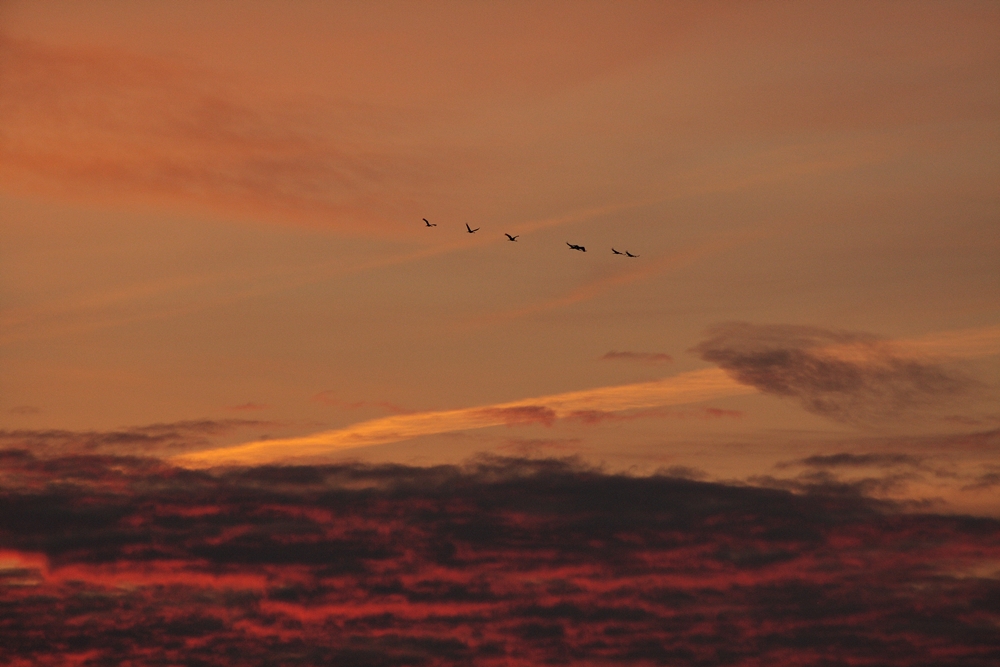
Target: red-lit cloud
[504, 561]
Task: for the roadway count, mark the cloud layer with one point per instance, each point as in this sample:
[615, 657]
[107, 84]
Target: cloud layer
[501, 562]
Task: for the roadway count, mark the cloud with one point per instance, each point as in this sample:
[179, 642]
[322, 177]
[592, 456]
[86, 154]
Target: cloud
[108, 559]
[846, 376]
[24, 410]
[644, 357]
[150, 440]
[680, 389]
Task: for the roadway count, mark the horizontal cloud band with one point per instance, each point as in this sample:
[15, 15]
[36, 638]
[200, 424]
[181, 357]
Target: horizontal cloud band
[689, 387]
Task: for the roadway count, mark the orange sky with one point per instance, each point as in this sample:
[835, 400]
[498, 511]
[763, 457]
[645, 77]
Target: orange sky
[211, 212]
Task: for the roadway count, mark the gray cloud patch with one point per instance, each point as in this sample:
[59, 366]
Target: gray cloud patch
[866, 385]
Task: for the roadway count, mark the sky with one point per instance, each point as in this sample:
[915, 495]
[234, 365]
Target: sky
[216, 281]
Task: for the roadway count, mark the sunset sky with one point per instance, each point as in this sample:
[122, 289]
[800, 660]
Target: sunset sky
[213, 256]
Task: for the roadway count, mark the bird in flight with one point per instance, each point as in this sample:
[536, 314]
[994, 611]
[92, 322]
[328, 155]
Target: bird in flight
[576, 247]
[471, 230]
[429, 224]
[616, 252]
[512, 238]
[630, 254]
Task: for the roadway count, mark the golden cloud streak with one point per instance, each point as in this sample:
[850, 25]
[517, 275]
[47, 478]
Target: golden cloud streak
[689, 387]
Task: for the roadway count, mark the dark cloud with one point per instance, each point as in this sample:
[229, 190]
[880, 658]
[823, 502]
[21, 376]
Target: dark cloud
[644, 357]
[683, 472]
[537, 446]
[846, 376]
[827, 483]
[24, 410]
[108, 560]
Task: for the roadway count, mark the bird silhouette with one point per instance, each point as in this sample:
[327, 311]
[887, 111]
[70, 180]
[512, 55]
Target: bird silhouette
[429, 224]
[471, 230]
[616, 252]
[512, 238]
[576, 247]
[630, 254]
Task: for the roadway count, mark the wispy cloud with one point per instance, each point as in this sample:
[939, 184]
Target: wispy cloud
[149, 440]
[689, 387]
[93, 123]
[330, 398]
[643, 357]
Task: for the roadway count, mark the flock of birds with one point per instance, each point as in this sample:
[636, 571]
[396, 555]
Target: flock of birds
[572, 246]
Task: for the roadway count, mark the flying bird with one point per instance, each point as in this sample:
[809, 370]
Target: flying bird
[512, 238]
[430, 224]
[471, 230]
[630, 254]
[576, 247]
[616, 252]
